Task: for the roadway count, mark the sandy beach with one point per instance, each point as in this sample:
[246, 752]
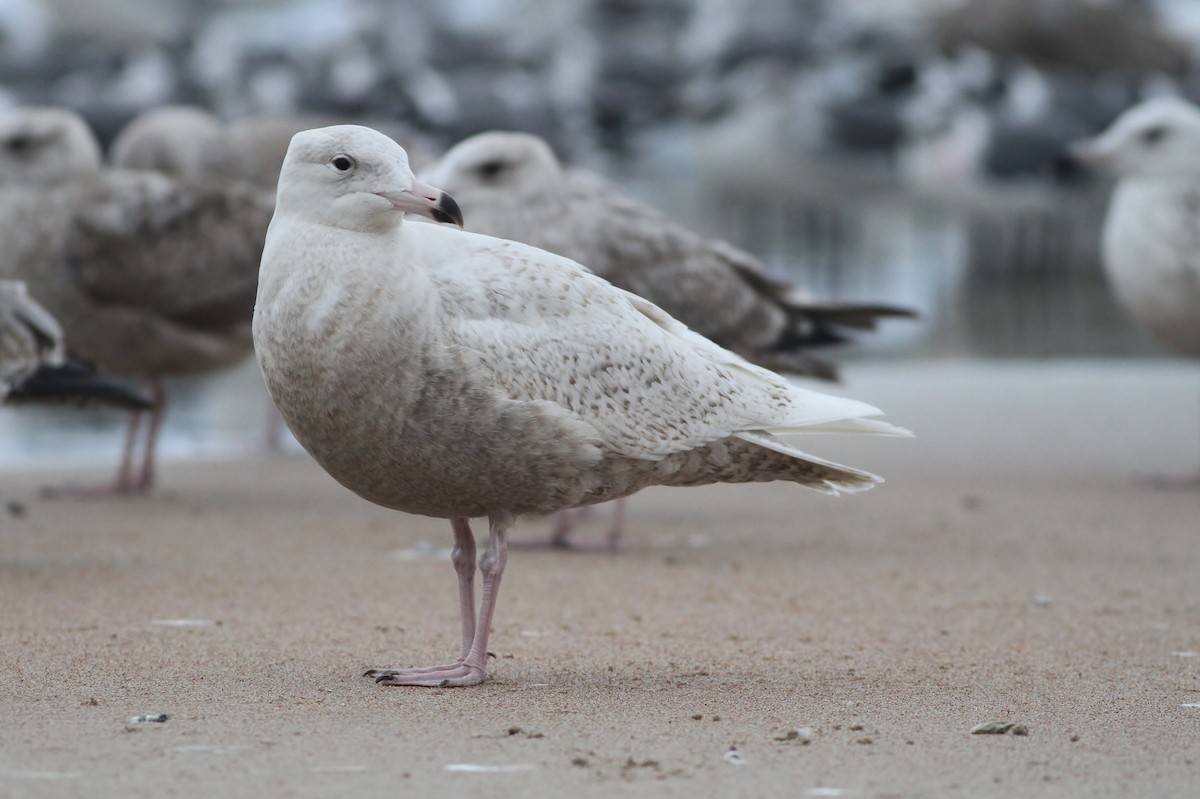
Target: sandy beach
[1018, 566]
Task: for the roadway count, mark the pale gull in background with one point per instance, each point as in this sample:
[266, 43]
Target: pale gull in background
[148, 275]
[192, 142]
[455, 375]
[512, 186]
[1151, 241]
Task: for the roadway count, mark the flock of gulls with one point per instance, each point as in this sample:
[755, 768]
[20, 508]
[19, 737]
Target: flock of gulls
[528, 341]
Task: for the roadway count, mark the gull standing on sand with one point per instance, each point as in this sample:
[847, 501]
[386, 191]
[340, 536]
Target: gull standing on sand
[1151, 240]
[149, 276]
[512, 186]
[34, 366]
[449, 374]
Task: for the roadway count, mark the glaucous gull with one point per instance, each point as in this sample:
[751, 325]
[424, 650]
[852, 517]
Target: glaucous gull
[455, 375]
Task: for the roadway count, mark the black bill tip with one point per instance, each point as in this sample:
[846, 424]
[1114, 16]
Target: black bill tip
[447, 210]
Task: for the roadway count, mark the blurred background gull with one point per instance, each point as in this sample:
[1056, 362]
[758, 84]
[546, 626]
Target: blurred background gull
[908, 152]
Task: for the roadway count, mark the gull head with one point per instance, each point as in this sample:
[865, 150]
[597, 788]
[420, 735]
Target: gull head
[46, 146]
[356, 178]
[1156, 139]
[497, 166]
[175, 139]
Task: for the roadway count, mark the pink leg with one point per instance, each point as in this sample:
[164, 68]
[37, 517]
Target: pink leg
[471, 667]
[157, 414]
[124, 481]
[617, 528]
[463, 558]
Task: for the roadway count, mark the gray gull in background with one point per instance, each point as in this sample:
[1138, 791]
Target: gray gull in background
[1151, 243]
[1152, 232]
[455, 375]
[190, 141]
[512, 186]
[34, 366]
[149, 276]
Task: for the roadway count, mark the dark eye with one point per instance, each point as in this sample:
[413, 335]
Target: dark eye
[18, 144]
[490, 170]
[1154, 135]
[342, 163]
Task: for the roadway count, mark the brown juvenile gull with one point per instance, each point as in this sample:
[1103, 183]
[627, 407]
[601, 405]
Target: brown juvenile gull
[34, 366]
[512, 186]
[148, 275]
[455, 375]
[1151, 239]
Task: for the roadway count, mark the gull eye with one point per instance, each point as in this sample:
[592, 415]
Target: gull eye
[342, 163]
[1154, 135]
[18, 144]
[490, 170]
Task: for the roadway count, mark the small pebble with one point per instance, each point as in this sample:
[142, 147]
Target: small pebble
[802, 734]
[992, 728]
[157, 718]
[734, 757]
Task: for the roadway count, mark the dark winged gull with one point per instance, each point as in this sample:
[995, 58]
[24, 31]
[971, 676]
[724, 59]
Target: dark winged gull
[148, 275]
[450, 374]
[34, 366]
[512, 185]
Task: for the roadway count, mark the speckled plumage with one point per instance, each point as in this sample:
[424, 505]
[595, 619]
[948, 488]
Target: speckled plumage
[450, 374]
[29, 336]
[511, 185]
